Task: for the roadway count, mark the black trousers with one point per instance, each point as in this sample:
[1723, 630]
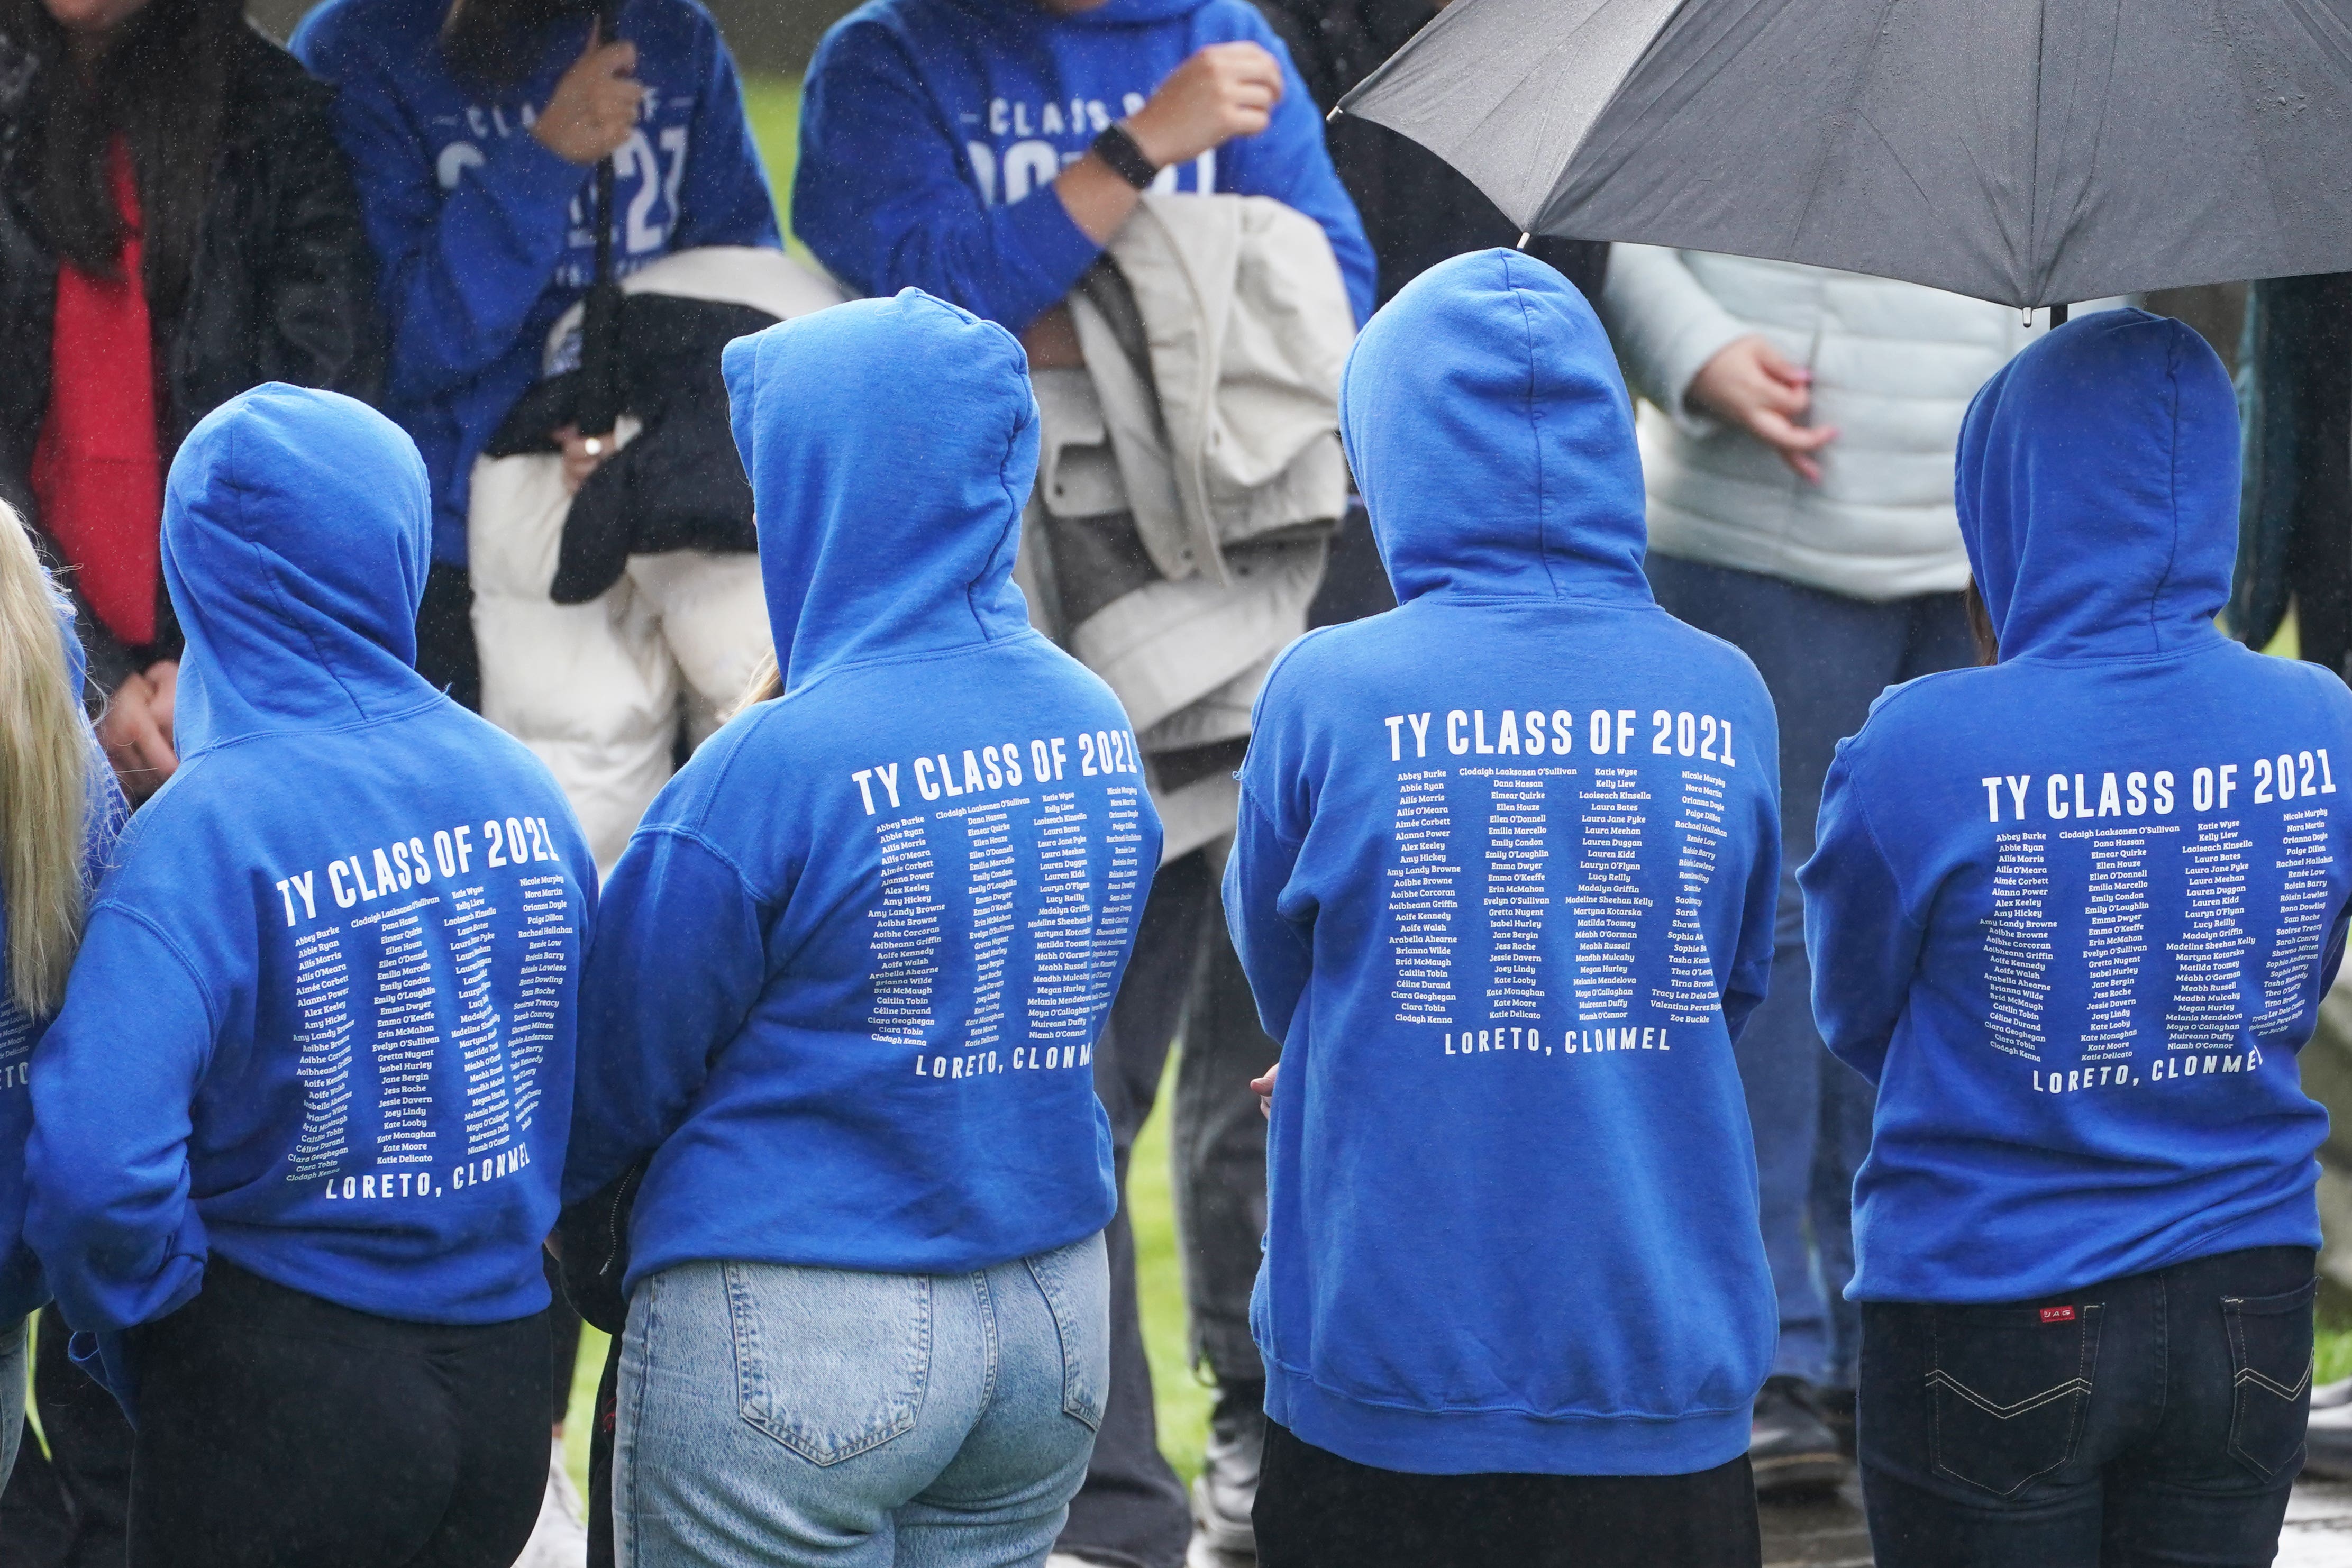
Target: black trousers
[2154, 1419]
[1316, 1509]
[277, 1430]
[67, 1508]
[1131, 1512]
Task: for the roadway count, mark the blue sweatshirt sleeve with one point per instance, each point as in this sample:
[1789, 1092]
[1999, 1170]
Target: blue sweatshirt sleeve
[678, 960]
[1276, 945]
[1290, 161]
[883, 199]
[1859, 932]
[459, 272]
[1751, 960]
[114, 1080]
[725, 199]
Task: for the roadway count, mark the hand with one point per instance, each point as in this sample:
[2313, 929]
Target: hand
[579, 462]
[1224, 90]
[138, 748]
[1052, 342]
[1751, 384]
[595, 104]
[1264, 1088]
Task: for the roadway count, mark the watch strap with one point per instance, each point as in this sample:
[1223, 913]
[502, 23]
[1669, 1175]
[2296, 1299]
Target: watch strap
[1118, 147]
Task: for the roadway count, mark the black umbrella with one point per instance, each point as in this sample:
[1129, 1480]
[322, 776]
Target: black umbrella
[599, 408]
[2028, 152]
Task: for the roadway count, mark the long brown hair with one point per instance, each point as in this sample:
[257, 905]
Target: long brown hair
[162, 87]
[44, 763]
[1980, 626]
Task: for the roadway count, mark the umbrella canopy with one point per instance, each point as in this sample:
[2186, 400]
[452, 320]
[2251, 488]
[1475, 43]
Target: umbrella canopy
[2028, 152]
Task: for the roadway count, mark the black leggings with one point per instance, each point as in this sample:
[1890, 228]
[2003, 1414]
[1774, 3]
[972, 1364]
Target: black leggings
[1316, 1509]
[277, 1430]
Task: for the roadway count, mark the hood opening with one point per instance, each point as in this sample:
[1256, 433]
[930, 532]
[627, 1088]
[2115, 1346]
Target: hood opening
[891, 446]
[1492, 436]
[297, 535]
[2098, 489]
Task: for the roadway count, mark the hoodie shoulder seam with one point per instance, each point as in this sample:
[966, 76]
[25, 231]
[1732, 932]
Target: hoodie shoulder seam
[204, 992]
[694, 837]
[1893, 875]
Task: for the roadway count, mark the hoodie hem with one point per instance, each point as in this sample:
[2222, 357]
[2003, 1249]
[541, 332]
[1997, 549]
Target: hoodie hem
[352, 1288]
[1489, 1442]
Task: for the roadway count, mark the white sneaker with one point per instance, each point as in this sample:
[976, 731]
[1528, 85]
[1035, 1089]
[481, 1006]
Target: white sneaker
[559, 1538]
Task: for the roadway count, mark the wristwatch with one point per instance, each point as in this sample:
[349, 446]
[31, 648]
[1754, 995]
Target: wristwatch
[1118, 147]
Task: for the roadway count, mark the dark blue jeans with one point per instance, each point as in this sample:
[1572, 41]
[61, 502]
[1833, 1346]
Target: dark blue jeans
[1825, 659]
[2154, 1419]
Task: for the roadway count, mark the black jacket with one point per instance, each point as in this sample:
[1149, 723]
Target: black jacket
[679, 484]
[2295, 518]
[281, 287]
[1417, 209]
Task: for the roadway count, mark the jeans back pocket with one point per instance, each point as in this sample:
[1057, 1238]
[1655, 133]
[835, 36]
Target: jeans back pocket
[2270, 1367]
[1075, 1280]
[829, 1362]
[2010, 1387]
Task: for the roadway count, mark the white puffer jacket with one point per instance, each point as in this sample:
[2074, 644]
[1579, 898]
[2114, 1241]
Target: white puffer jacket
[1894, 365]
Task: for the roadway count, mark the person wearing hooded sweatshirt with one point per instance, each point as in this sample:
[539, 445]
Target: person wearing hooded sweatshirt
[1504, 889]
[474, 128]
[2073, 913]
[845, 992]
[297, 1130]
[60, 813]
[988, 151]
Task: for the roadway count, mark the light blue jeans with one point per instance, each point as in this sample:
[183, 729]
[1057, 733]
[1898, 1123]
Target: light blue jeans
[13, 1370]
[774, 1415]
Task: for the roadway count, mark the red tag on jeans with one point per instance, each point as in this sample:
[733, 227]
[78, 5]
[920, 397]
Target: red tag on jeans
[2057, 1314]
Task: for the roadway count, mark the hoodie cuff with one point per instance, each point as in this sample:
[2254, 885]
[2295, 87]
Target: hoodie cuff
[528, 171]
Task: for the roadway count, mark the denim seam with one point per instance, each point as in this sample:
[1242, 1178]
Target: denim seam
[992, 1348]
[638, 1413]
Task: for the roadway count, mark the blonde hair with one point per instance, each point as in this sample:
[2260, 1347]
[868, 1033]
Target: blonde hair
[767, 681]
[45, 762]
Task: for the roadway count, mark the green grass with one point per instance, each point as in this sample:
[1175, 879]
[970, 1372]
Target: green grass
[774, 103]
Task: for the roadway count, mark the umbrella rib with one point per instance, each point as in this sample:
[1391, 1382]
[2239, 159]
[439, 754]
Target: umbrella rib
[1849, 112]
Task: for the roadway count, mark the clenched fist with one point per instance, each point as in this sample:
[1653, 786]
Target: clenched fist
[1224, 90]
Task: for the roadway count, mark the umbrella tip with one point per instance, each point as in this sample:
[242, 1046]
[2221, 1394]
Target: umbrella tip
[1333, 115]
[1525, 240]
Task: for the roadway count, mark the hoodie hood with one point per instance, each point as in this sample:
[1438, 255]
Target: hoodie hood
[2097, 486]
[1492, 436]
[297, 533]
[891, 445]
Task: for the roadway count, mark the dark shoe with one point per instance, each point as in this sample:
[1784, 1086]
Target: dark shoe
[1226, 1488]
[1790, 1446]
[1837, 1407]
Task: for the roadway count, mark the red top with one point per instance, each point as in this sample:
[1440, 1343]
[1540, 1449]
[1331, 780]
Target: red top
[96, 475]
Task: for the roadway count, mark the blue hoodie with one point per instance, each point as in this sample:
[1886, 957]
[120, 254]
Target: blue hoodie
[321, 1022]
[849, 972]
[2074, 912]
[1504, 889]
[484, 236]
[21, 1286]
[926, 125]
